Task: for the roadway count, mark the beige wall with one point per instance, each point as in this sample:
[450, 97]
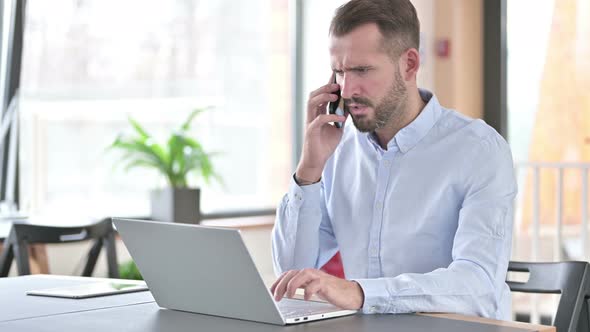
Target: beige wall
[426, 12]
[459, 77]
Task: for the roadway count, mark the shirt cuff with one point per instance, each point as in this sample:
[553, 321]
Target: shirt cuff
[376, 296]
[304, 197]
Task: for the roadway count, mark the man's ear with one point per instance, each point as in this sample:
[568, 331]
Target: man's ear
[409, 64]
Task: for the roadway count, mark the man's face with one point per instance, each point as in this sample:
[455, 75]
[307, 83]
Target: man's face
[371, 84]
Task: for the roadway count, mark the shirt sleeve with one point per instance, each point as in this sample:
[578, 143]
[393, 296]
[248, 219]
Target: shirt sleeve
[474, 282]
[302, 236]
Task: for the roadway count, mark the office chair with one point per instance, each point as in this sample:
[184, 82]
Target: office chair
[21, 235]
[570, 279]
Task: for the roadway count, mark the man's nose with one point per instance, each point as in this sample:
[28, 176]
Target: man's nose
[347, 87]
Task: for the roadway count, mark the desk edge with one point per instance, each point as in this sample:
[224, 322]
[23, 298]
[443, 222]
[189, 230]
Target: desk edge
[520, 325]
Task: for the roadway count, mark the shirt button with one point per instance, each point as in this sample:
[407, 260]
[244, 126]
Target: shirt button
[378, 205]
[373, 309]
[386, 162]
[374, 252]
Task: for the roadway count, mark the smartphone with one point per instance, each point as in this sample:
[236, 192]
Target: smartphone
[336, 107]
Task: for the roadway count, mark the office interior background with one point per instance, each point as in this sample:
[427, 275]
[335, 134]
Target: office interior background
[89, 65]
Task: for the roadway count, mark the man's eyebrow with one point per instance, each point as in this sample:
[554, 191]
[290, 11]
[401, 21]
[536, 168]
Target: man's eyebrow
[355, 68]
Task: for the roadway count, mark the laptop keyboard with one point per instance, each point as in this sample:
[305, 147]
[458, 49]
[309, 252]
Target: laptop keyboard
[291, 308]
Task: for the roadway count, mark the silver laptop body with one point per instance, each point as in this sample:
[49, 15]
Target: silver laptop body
[208, 270]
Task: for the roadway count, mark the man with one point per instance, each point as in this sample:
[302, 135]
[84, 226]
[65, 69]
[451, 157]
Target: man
[417, 198]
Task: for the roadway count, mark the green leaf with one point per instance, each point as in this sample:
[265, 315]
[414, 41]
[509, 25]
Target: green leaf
[177, 158]
[192, 143]
[142, 151]
[139, 129]
[141, 163]
[187, 123]
[175, 148]
[128, 270]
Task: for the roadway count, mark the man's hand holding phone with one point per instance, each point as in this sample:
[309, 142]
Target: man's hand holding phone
[336, 107]
[321, 137]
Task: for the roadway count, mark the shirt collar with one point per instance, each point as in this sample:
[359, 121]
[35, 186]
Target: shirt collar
[410, 135]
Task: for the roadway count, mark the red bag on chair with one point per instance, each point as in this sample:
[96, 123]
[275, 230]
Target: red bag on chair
[334, 266]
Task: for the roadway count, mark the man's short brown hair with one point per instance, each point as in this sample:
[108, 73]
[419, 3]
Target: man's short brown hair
[397, 21]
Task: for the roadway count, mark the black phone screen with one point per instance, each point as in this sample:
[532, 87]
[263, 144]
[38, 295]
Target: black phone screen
[336, 107]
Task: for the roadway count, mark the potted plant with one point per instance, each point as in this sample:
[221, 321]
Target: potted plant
[180, 157]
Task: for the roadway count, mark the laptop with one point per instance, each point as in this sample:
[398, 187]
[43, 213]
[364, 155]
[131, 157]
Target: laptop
[208, 270]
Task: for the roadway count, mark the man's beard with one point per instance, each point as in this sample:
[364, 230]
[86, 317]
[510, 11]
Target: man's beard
[389, 110]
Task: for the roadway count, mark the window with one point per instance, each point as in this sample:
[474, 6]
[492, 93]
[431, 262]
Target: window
[89, 64]
[548, 109]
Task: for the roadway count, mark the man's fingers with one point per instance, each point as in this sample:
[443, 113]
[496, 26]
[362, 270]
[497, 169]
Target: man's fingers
[281, 287]
[317, 105]
[327, 118]
[313, 103]
[321, 100]
[328, 88]
[301, 279]
[311, 289]
[274, 284]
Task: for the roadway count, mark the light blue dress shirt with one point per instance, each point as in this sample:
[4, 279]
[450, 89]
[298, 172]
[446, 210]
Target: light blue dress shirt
[424, 226]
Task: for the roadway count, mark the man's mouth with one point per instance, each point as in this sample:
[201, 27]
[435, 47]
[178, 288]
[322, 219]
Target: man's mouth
[357, 109]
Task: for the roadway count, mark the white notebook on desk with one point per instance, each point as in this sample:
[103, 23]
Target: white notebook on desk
[94, 289]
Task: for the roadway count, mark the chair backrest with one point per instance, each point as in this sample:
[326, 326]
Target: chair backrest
[21, 235]
[57, 234]
[570, 279]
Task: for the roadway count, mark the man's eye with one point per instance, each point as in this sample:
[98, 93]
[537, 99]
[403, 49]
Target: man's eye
[339, 72]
